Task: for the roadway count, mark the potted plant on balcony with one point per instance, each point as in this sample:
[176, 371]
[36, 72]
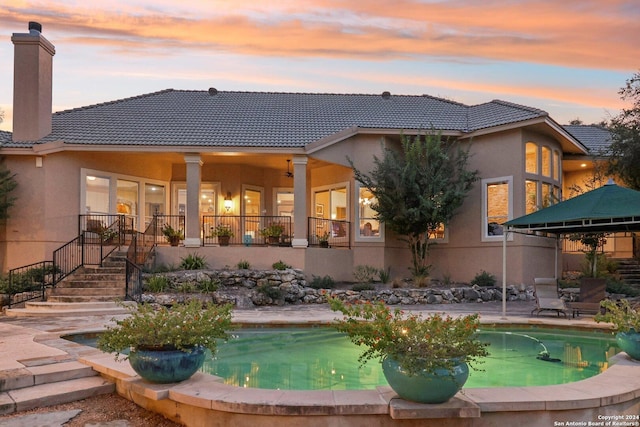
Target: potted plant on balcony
[626, 324]
[167, 344]
[424, 359]
[272, 233]
[224, 233]
[323, 239]
[172, 235]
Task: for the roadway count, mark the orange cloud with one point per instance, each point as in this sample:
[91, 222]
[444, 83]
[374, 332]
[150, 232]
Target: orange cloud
[576, 33]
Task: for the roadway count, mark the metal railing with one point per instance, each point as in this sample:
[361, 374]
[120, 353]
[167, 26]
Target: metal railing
[329, 233]
[246, 230]
[88, 248]
[133, 279]
[30, 282]
[140, 248]
[159, 222]
[106, 225]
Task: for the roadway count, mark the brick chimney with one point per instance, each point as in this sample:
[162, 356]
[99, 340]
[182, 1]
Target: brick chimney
[32, 84]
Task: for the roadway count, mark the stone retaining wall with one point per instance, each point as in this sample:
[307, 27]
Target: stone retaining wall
[247, 288]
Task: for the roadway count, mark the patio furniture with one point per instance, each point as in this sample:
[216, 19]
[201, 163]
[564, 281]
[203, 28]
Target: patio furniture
[546, 290]
[592, 291]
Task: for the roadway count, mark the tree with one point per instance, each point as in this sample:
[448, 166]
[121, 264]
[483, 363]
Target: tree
[418, 188]
[624, 152]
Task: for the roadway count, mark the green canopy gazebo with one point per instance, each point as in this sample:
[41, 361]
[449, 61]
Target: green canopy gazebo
[609, 209]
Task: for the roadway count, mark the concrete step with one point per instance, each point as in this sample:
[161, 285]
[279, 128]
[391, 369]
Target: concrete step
[80, 283]
[69, 308]
[84, 298]
[44, 374]
[98, 275]
[109, 291]
[62, 306]
[56, 393]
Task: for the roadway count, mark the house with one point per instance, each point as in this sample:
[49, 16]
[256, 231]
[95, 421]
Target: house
[249, 160]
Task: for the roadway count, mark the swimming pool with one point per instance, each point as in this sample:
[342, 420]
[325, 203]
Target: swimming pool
[323, 359]
[319, 358]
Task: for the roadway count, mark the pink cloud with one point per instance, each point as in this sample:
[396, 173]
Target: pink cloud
[594, 34]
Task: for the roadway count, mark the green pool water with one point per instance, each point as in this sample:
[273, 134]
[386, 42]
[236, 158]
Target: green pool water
[320, 358]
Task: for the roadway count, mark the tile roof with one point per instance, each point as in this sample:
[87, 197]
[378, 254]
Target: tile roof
[5, 137]
[596, 138]
[265, 119]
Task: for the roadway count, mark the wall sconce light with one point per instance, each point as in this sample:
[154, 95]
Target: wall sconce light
[38, 162]
[228, 202]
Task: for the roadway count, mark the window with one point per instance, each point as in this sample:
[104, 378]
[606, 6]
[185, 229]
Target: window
[96, 195]
[330, 203]
[557, 168]
[369, 228]
[531, 157]
[252, 202]
[546, 161]
[497, 205]
[154, 201]
[531, 196]
[108, 193]
[439, 233]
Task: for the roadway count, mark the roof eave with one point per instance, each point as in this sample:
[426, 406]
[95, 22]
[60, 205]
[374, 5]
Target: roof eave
[355, 130]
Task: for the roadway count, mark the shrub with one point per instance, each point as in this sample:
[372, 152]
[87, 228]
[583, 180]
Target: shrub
[243, 264]
[272, 291]
[363, 287]
[193, 262]
[484, 279]
[156, 283]
[446, 279]
[365, 273]
[325, 282]
[421, 281]
[615, 286]
[384, 275]
[186, 288]
[280, 265]
[210, 285]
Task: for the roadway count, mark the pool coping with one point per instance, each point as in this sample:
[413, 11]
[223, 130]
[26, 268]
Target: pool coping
[619, 384]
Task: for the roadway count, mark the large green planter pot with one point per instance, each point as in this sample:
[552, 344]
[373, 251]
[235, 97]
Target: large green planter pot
[425, 387]
[629, 342]
[166, 366]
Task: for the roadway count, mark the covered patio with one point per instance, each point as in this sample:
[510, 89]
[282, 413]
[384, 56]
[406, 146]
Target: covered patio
[608, 209]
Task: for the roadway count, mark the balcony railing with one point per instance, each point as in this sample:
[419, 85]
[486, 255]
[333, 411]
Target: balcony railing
[329, 233]
[246, 230]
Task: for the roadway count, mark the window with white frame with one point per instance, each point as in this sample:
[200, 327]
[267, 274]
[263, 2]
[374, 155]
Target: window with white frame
[111, 193]
[497, 201]
[369, 228]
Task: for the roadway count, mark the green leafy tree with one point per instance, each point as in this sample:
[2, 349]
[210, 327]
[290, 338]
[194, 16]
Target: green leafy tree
[624, 152]
[418, 188]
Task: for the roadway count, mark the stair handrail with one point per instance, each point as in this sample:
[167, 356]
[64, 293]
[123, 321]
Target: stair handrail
[29, 282]
[141, 246]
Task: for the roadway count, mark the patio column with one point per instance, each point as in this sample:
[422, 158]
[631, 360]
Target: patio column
[300, 202]
[192, 221]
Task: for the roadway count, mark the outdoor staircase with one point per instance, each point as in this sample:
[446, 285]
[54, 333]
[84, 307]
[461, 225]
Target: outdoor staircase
[629, 271]
[47, 382]
[93, 283]
[91, 290]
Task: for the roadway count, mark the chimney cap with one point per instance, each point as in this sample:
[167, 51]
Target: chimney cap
[35, 26]
[386, 94]
[213, 91]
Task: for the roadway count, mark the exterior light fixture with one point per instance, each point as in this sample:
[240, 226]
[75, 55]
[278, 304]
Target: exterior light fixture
[228, 202]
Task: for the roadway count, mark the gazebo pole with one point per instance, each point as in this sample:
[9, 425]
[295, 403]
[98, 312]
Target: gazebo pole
[504, 273]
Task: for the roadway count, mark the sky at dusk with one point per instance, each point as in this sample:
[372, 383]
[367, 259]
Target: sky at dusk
[566, 57]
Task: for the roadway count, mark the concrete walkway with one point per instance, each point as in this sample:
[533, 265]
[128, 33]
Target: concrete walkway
[31, 347]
